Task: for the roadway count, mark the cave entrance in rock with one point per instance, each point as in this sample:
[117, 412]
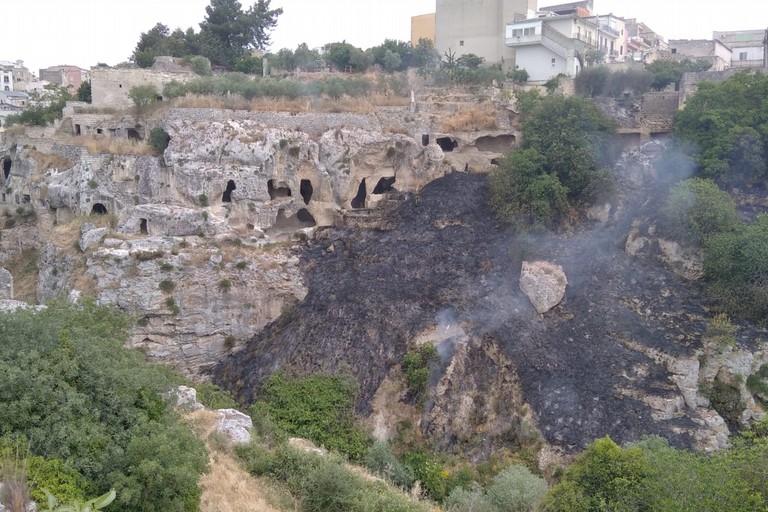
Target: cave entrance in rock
[306, 218]
[133, 134]
[226, 197]
[424, 139]
[99, 209]
[7, 163]
[143, 227]
[277, 191]
[498, 144]
[359, 200]
[447, 144]
[495, 161]
[306, 189]
[384, 185]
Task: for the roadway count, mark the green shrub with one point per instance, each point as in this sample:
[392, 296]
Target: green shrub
[202, 199]
[159, 139]
[225, 285]
[433, 478]
[170, 303]
[241, 265]
[143, 96]
[166, 267]
[200, 65]
[463, 500]
[516, 489]
[736, 270]
[381, 461]
[213, 397]
[109, 422]
[145, 59]
[417, 365]
[319, 408]
[696, 209]
[330, 487]
[167, 286]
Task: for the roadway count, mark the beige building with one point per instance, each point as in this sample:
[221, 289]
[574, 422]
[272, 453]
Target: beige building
[712, 51]
[422, 27]
[479, 27]
[748, 47]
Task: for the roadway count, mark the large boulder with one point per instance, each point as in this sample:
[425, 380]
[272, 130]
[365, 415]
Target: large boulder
[235, 425]
[544, 284]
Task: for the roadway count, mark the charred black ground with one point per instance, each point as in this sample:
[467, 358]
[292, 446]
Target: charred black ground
[371, 291]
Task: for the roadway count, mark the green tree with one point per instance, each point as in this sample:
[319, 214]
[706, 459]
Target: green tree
[736, 270]
[696, 209]
[84, 92]
[144, 59]
[110, 422]
[228, 32]
[200, 65]
[425, 55]
[726, 125]
[604, 477]
[516, 489]
[158, 139]
[143, 96]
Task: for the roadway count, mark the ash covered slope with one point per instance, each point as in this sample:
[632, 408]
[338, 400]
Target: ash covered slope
[596, 365]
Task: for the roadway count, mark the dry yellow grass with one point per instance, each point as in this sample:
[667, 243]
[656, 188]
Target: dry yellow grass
[47, 161]
[112, 146]
[470, 120]
[227, 487]
[23, 268]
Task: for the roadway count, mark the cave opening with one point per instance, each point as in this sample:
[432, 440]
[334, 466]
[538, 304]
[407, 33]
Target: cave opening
[384, 185]
[306, 218]
[495, 161]
[359, 200]
[498, 144]
[306, 189]
[99, 209]
[424, 139]
[447, 144]
[226, 197]
[277, 192]
[133, 134]
[143, 227]
[7, 167]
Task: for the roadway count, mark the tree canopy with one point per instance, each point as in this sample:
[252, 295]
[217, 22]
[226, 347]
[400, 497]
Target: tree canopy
[727, 125]
[77, 396]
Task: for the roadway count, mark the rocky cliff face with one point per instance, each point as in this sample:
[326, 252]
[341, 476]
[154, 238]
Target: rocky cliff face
[619, 355]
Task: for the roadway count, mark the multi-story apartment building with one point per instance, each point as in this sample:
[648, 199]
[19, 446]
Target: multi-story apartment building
[479, 27]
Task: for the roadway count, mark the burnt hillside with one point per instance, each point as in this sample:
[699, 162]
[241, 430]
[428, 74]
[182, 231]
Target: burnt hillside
[371, 291]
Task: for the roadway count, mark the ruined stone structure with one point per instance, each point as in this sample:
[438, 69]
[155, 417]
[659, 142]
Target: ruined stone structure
[109, 86]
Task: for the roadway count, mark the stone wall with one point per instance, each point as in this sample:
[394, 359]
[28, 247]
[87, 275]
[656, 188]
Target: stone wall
[690, 82]
[657, 111]
[109, 87]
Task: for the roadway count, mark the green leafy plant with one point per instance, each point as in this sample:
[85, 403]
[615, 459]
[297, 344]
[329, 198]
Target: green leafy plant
[158, 139]
[225, 285]
[167, 286]
[98, 503]
[417, 365]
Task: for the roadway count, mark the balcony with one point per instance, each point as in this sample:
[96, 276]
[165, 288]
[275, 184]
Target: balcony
[524, 40]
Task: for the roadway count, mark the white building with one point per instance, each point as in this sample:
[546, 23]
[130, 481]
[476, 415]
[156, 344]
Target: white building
[546, 47]
[747, 47]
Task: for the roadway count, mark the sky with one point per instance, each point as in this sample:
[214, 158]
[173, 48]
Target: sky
[45, 33]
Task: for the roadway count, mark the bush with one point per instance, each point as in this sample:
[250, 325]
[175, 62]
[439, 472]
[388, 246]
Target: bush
[462, 500]
[109, 422]
[202, 199]
[213, 397]
[225, 285]
[382, 462]
[417, 365]
[516, 489]
[159, 139]
[145, 59]
[319, 408]
[167, 286]
[696, 209]
[736, 270]
[200, 65]
[143, 96]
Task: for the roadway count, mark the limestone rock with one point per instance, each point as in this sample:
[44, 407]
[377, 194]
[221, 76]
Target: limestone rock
[186, 399]
[55, 273]
[91, 236]
[235, 425]
[684, 262]
[544, 283]
[6, 285]
[305, 445]
[600, 213]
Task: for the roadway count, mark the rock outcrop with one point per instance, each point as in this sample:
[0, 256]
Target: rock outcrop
[6, 285]
[543, 283]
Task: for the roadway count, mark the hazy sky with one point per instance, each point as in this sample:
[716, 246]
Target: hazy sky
[84, 32]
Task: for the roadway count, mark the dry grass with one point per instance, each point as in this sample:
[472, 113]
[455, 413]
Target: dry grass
[47, 161]
[227, 487]
[67, 234]
[366, 105]
[23, 268]
[470, 120]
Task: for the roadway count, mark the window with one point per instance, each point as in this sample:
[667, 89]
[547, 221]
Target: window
[674, 50]
[518, 32]
[742, 56]
[553, 62]
[5, 79]
[461, 43]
